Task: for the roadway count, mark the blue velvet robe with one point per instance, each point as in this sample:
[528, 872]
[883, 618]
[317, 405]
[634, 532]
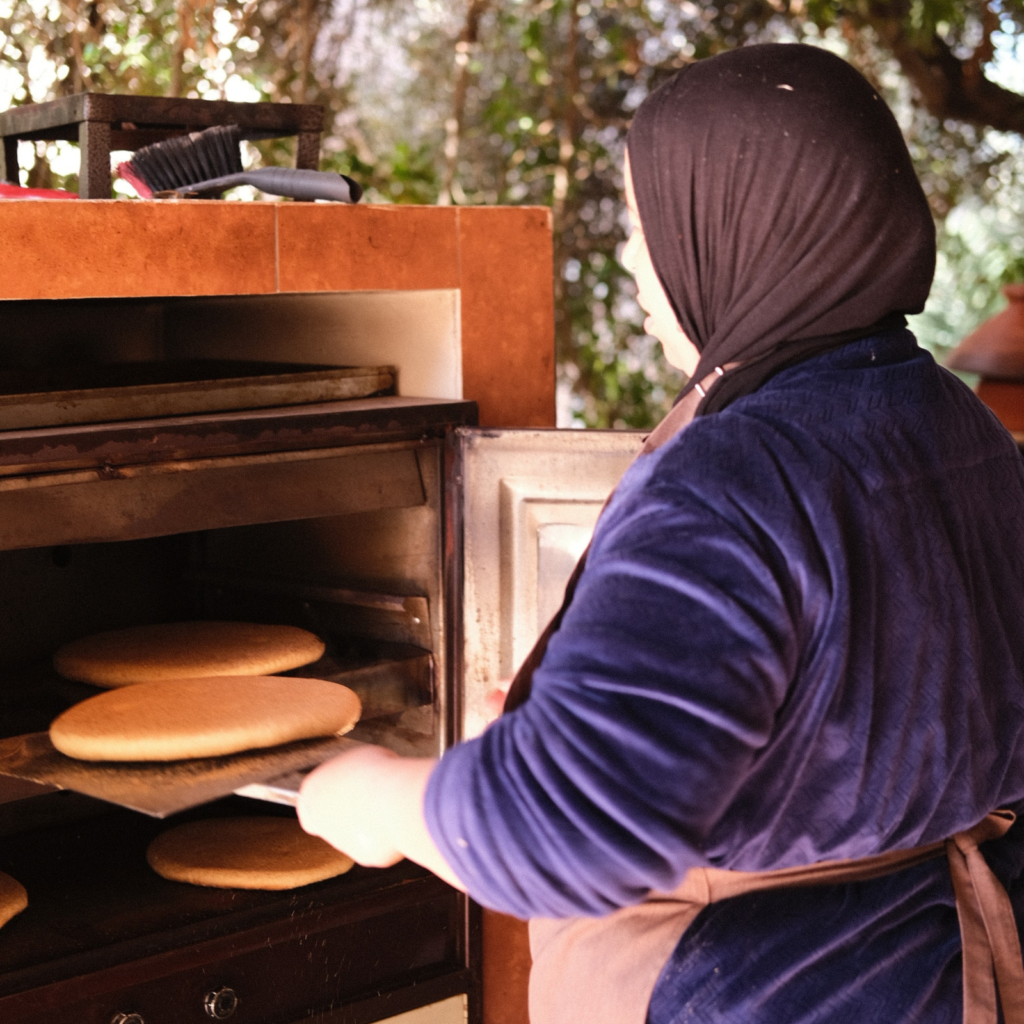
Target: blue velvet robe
[799, 636]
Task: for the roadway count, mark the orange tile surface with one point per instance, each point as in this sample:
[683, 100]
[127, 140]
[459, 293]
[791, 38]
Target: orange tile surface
[508, 319]
[86, 248]
[337, 248]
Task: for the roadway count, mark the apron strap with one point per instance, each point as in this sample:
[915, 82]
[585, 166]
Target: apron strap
[988, 928]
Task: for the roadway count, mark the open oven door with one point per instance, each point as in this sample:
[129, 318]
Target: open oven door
[529, 502]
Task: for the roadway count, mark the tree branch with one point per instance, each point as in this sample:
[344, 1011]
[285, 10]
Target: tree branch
[185, 41]
[468, 39]
[948, 86]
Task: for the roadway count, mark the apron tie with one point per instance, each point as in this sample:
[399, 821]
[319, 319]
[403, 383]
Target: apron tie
[988, 929]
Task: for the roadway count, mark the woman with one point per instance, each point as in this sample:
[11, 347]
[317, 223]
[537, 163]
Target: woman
[796, 637]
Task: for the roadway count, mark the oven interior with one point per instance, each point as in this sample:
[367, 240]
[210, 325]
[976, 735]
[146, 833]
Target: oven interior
[82, 343]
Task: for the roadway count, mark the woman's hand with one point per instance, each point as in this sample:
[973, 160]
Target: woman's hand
[341, 801]
[368, 803]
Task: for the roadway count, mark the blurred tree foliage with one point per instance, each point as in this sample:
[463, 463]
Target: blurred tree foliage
[528, 101]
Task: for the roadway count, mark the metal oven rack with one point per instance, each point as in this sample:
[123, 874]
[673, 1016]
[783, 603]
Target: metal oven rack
[105, 939]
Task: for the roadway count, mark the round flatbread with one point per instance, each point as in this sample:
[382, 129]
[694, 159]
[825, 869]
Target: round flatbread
[245, 853]
[13, 898]
[186, 650]
[186, 718]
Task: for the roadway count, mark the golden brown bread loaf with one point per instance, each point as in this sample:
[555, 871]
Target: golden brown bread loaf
[186, 650]
[245, 853]
[180, 719]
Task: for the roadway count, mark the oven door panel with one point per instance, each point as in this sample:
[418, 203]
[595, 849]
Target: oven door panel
[529, 502]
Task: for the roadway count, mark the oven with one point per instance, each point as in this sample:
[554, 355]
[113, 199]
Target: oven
[191, 452]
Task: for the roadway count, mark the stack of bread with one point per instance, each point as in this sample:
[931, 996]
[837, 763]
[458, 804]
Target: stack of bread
[188, 690]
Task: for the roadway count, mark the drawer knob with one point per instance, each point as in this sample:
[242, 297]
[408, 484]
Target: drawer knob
[127, 1018]
[219, 1005]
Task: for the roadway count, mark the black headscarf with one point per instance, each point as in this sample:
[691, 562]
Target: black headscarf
[781, 209]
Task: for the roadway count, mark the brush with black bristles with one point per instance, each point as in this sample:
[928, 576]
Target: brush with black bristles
[210, 162]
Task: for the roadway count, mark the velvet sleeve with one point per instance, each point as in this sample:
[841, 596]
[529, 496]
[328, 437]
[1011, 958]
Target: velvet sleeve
[651, 702]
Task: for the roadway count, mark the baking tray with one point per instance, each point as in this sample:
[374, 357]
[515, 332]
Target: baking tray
[105, 393]
[160, 788]
[31, 696]
[385, 662]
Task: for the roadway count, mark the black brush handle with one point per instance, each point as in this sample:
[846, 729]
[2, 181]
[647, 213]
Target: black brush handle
[293, 182]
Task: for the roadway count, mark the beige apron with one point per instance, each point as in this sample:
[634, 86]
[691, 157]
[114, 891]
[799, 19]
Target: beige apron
[603, 970]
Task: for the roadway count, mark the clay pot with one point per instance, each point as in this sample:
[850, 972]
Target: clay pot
[995, 350]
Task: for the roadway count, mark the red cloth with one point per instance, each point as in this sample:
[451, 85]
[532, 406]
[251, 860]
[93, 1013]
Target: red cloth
[8, 191]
